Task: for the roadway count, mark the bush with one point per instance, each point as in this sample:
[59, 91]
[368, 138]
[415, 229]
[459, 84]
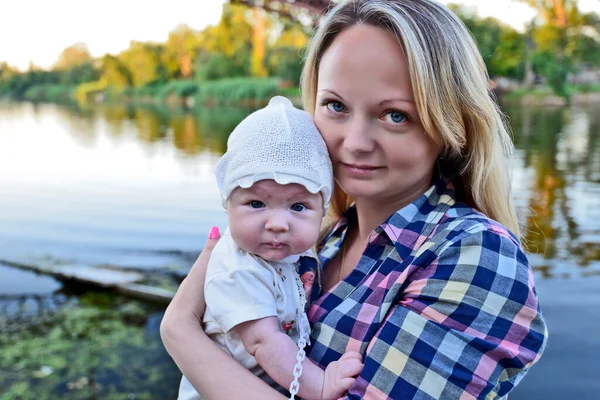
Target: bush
[179, 88]
[50, 92]
[237, 90]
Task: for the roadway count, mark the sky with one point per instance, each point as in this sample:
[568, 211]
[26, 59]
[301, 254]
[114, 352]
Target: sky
[38, 30]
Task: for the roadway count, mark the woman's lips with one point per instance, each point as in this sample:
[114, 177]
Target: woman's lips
[360, 169]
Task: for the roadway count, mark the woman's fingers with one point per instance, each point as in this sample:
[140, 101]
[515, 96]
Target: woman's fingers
[188, 303]
[202, 261]
[192, 286]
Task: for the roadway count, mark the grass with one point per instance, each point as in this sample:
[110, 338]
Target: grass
[544, 91]
[241, 91]
[179, 88]
[50, 92]
[234, 91]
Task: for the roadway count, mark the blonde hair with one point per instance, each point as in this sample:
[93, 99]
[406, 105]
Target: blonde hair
[452, 93]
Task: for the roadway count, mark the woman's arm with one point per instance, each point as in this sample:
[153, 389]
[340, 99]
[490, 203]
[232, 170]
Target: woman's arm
[212, 372]
[468, 326]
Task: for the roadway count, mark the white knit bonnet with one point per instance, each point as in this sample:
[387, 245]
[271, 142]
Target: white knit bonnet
[277, 142]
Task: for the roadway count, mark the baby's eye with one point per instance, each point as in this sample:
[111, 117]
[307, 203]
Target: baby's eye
[256, 204]
[336, 106]
[298, 207]
[395, 117]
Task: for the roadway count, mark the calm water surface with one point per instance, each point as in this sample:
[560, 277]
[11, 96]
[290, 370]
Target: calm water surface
[133, 187]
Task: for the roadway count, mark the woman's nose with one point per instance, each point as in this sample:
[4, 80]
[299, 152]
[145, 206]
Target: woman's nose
[358, 138]
[277, 222]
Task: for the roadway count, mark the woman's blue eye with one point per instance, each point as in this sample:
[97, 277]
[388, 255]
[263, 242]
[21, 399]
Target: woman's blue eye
[257, 204]
[395, 117]
[298, 207]
[336, 106]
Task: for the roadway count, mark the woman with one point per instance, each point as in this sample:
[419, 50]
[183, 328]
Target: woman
[422, 271]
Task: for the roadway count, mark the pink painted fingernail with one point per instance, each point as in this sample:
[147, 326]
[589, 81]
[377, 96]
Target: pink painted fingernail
[214, 233]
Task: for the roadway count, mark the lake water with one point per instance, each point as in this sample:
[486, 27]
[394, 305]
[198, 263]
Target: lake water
[133, 187]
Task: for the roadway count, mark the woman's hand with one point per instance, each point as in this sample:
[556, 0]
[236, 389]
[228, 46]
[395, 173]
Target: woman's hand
[188, 304]
[213, 373]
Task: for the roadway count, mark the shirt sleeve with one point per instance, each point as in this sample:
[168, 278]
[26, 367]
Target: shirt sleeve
[466, 326]
[238, 289]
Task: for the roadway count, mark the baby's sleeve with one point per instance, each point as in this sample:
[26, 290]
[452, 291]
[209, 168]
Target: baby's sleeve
[238, 289]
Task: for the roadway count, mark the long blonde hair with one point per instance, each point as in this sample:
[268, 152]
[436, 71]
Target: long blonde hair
[451, 90]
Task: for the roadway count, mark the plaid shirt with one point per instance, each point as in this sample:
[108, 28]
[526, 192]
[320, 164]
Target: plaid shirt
[442, 305]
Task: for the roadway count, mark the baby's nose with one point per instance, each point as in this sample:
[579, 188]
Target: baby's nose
[277, 222]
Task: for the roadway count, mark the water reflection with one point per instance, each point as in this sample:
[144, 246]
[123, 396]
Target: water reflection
[112, 185]
[560, 160]
[191, 133]
[133, 185]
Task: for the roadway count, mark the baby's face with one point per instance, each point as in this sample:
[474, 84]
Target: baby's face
[274, 221]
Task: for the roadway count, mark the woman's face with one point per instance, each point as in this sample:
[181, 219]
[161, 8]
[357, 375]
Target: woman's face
[367, 115]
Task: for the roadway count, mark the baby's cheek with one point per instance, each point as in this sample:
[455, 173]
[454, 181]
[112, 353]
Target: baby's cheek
[311, 235]
[243, 236]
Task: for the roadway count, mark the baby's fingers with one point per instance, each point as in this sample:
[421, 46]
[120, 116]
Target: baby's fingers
[351, 355]
[345, 384]
[350, 367]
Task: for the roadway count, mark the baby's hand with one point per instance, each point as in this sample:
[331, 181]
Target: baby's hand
[341, 374]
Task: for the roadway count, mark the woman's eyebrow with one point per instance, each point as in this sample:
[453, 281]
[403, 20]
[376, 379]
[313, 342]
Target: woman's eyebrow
[330, 91]
[397, 100]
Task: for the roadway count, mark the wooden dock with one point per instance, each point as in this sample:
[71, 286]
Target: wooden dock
[125, 282]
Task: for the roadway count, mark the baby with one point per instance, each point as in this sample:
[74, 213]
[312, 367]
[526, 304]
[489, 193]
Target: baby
[276, 181]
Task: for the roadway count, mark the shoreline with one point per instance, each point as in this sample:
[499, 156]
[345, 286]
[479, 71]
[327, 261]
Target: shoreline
[550, 100]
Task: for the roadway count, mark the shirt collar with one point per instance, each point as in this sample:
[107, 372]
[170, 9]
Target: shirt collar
[416, 219]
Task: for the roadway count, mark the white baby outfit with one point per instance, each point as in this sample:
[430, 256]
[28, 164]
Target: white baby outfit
[281, 143]
[242, 287]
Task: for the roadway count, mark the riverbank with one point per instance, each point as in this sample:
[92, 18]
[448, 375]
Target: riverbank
[242, 91]
[255, 93]
[543, 96]
[571, 355]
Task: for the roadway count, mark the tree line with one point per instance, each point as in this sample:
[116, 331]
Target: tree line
[254, 44]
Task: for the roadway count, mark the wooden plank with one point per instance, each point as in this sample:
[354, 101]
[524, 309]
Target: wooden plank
[123, 282]
[102, 277]
[97, 276]
[146, 292]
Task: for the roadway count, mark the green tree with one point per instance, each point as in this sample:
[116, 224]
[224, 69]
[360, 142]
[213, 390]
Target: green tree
[7, 74]
[181, 49]
[259, 38]
[81, 73]
[73, 55]
[509, 57]
[284, 55]
[227, 47]
[115, 73]
[558, 40]
[501, 47]
[143, 60]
